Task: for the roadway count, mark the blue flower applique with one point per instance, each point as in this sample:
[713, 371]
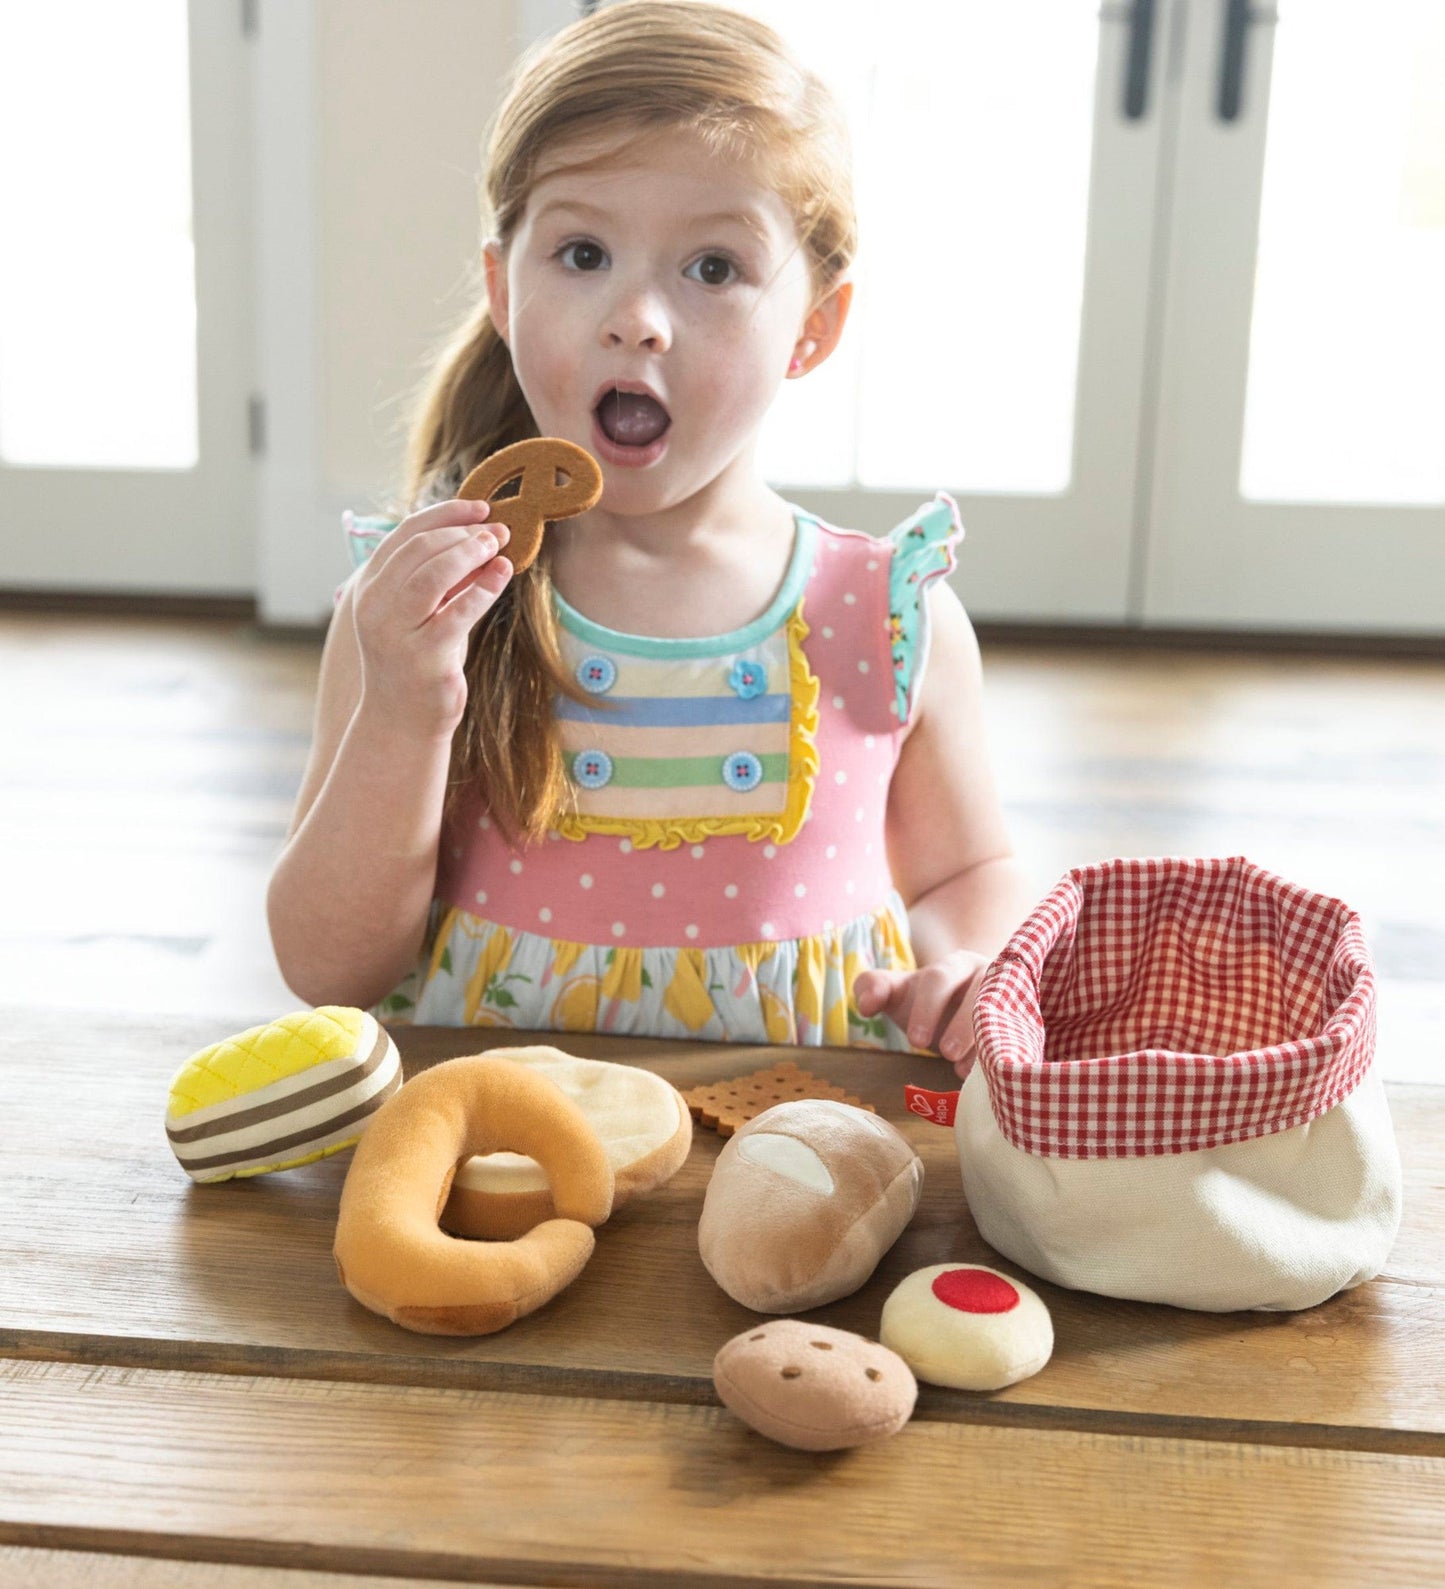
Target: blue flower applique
[748, 679]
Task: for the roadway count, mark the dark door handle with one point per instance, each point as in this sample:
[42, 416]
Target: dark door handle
[1136, 64]
[1239, 17]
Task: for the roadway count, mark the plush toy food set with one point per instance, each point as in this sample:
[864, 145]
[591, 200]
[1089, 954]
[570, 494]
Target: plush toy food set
[1173, 1101]
[1236, 1152]
[531, 1149]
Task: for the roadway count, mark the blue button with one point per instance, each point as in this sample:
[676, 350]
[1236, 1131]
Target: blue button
[748, 678]
[597, 675]
[742, 771]
[592, 768]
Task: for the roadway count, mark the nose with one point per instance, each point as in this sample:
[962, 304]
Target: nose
[637, 317]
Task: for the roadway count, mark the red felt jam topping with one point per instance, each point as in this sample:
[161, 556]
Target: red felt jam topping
[975, 1291]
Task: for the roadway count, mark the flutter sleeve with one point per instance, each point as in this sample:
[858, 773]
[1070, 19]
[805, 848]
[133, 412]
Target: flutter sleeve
[923, 549]
[364, 532]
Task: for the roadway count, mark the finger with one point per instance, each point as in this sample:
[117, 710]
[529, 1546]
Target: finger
[432, 582]
[873, 990]
[489, 569]
[477, 597]
[957, 1043]
[937, 995]
[451, 514]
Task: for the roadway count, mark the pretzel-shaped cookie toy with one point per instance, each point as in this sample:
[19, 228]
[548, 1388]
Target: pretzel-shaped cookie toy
[541, 499]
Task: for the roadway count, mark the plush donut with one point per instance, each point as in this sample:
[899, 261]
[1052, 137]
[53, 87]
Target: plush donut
[642, 1121]
[389, 1250]
[541, 497]
[967, 1326]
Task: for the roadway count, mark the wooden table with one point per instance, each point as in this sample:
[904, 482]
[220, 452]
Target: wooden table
[189, 1397]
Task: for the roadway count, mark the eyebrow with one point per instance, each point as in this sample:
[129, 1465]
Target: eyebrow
[742, 218]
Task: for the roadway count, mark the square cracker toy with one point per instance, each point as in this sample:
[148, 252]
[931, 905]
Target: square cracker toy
[726, 1105]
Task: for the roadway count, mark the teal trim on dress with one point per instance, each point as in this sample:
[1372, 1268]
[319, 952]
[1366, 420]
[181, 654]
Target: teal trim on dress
[364, 533]
[923, 549]
[779, 610]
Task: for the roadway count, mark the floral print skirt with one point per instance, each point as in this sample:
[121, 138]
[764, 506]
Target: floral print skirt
[794, 991]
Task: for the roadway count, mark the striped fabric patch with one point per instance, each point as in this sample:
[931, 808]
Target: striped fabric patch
[303, 1116]
[681, 711]
[667, 727]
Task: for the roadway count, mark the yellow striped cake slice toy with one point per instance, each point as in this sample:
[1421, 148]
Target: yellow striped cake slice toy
[282, 1094]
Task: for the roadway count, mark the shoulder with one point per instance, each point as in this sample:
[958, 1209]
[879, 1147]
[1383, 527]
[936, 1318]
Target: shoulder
[955, 669]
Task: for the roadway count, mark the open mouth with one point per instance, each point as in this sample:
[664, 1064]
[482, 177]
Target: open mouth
[631, 420]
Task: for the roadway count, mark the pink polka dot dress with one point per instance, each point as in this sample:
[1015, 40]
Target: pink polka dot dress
[723, 873]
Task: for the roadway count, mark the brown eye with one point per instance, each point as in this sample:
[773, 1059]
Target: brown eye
[585, 249]
[716, 268]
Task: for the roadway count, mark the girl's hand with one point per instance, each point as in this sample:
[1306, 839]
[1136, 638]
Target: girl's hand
[933, 1005]
[418, 598]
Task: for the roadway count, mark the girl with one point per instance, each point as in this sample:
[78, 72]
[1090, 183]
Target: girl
[688, 775]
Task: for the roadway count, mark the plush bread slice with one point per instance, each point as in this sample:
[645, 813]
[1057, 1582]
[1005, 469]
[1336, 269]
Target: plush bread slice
[643, 1123]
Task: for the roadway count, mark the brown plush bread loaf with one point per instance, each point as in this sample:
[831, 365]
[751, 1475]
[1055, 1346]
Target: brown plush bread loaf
[803, 1202]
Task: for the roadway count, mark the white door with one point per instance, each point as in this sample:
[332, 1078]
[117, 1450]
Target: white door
[1299, 477]
[1006, 165]
[125, 297]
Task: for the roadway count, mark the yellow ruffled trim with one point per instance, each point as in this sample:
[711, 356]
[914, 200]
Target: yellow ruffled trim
[668, 832]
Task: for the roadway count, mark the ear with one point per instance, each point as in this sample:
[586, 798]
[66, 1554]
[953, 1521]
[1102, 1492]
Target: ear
[822, 329]
[495, 266]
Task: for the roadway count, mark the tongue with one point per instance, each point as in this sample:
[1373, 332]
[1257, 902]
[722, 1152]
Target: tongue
[632, 419]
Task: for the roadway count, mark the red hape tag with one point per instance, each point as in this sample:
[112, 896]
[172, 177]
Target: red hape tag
[939, 1107]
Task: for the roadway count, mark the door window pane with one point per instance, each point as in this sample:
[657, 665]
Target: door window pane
[1346, 393]
[97, 277]
[972, 129]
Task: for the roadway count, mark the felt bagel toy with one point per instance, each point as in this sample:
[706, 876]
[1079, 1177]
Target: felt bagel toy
[389, 1250]
[541, 496]
[642, 1121]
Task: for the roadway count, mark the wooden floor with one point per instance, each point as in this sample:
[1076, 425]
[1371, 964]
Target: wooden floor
[150, 764]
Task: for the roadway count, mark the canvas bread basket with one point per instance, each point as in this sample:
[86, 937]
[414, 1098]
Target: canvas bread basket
[1174, 1098]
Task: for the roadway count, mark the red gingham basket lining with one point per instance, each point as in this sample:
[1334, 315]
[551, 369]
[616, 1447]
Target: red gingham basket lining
[1165, 1005]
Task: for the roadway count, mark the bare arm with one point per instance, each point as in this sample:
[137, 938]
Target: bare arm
[948, 848]
[948, 843]
[349, 896]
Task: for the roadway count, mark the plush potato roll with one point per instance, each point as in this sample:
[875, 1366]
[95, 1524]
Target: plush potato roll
[803, 1202]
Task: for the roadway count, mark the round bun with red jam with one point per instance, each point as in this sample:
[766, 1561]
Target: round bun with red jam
[968, 1327]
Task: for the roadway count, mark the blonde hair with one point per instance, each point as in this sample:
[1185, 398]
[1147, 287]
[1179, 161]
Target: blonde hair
[640, 67]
